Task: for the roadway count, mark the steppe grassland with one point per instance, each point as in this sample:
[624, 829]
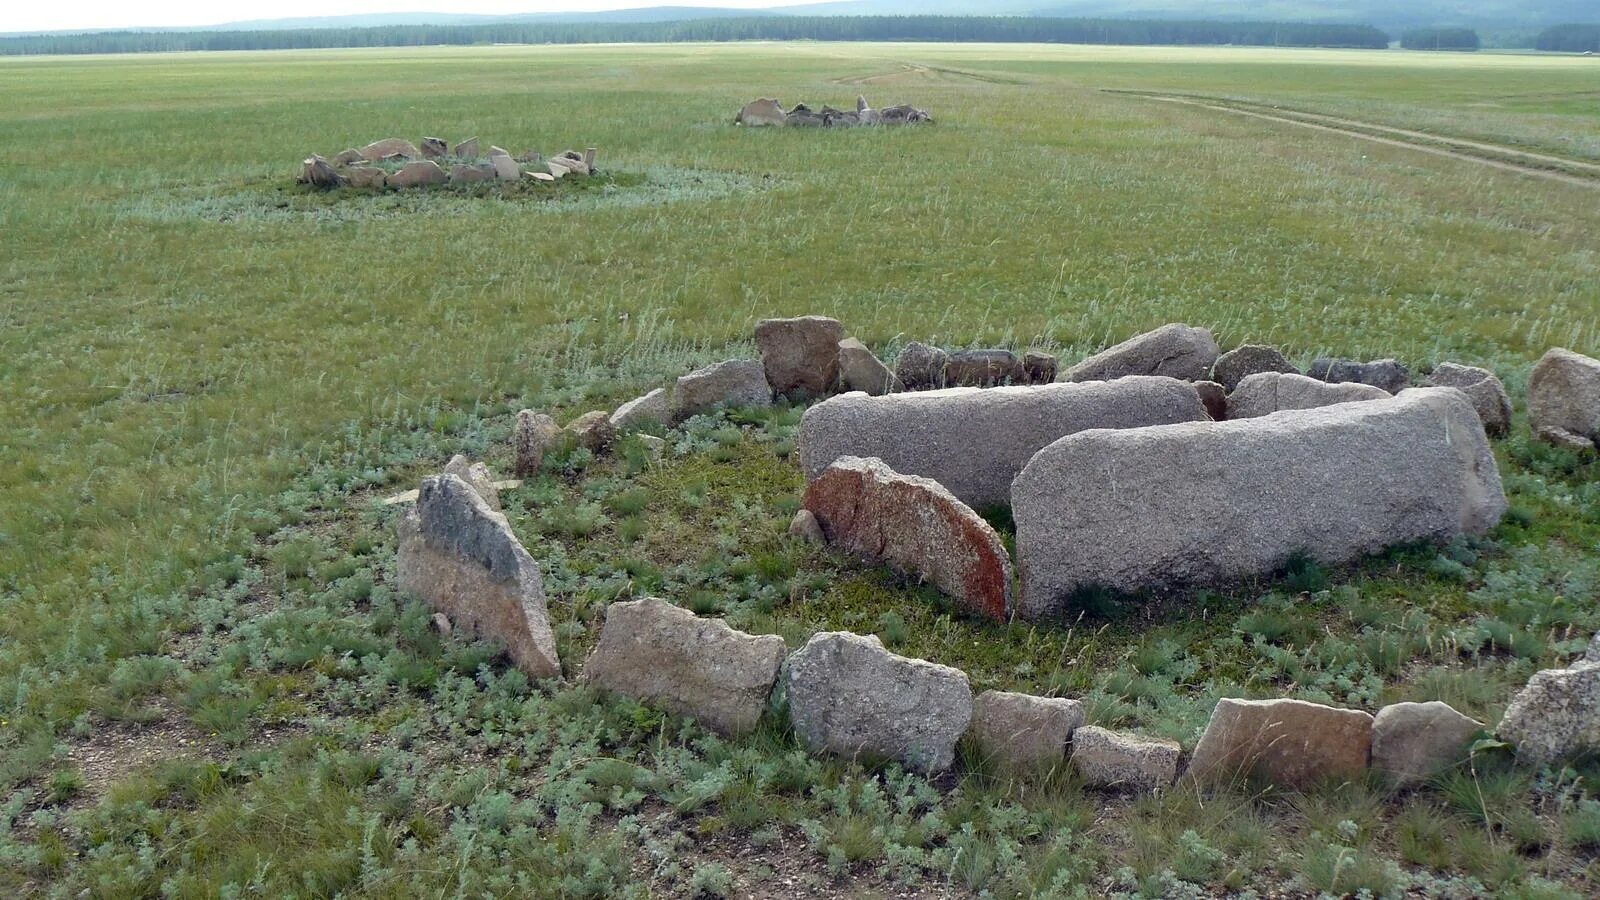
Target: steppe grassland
[180, 354]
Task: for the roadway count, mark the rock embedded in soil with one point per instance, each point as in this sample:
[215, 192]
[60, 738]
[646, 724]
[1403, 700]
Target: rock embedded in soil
[468, 149]
[1175, 351]
[1241, 362]
[1387, 374]
[764, 111]
[651, 409]
[849, 696]
[801, 355]
[983, 368]
[1114, 759]
[1556, 717]
[460, 557]
[1039, 367]
[1022, 731]
[348, 157]
[594, 431]
[921, 367]
[366, 176]
[470, 174]
[660, 654]
[316, 172]
[974, 441]
[477, 477]
[1486, 391]
[861, 370]
[418, 174]
[1242, 499]
[1289, 743]
[1564, 399]
[1412, 742]
[535, 435]
[1213, 398]
[805, 527]
[733, 383]
[917, 528]
[505, 168]
[1265, 393]
[434, 148]
[388, 148]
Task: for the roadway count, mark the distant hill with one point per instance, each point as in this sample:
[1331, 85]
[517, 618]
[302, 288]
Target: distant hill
[374, 20]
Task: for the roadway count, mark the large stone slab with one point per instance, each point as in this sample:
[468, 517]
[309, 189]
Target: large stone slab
[1486, 391]
[1389, 374]
[1241, 362]
[974, 441]
[1411, 742]
[800, 355]
[861, 370]
[658, 653]
[765, 111]
[534, 436]
[984, 368]
[1557, 716]
[1265, 393]
[921, 367]
[1021, 731]
[418, 174]
[1176, 351]
[1215, 503]
[1114, 759]
[734, 383]
[477, 477]
[460, 556]
[384, 149]
[850, 696]
[1291, 743]
[915, 526]
[1564, 398]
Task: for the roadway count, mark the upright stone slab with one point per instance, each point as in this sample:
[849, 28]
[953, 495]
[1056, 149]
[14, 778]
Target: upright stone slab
[801, 355]
[658, 653]
[1265, 393]
[653, 408]
[1411, 742]
[734, 383]
[1486, 391]
[1176, 351]
[1114, 759]
[468, 149]
[1039, 367]
[861, 370]
[1557, 716]
[534, 436]
[849, 696]
[477, 477]
[915, 526]
[921, 367]
[1388, 374]
[984, 368]
[1023, 732]
[418, 174]
[1564, 399]
[1290, 743]
[1214, 503]
[761, 112]
[390, 147]
[974, 441]
[1241, 362]
[366, 176]
[435, 148]
[461, 557]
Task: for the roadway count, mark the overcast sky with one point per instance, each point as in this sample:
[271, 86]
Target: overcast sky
[24, 15]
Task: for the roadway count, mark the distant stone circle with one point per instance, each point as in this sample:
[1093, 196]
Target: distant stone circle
[767, 111]
[398, 163]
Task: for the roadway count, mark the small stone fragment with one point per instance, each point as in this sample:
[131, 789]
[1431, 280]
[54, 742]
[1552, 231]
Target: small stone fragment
[366, 176]
[434, 148]
[470, 174]
[468, 149]
[1039, 367]
[536, 433]
[387, 148]
[1113, 759]
[348, 157]
[983, 368]
[594, 431]
[316, 172]
[761, 112]
[1021, 731]
[1486, 391]
[1213, 398]
[477, 477]
[417, 174]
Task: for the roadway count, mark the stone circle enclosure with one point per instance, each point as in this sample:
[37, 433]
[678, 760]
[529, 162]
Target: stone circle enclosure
[398, 164]
[769, 112]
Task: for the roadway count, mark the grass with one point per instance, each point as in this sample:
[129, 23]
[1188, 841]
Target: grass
[196, 408]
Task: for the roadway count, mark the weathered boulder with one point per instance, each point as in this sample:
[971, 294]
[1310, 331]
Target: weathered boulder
[468, 174]
[850, 696]
[1213, 398]
[417, 174]
[1114, 759]
[1411, 742]
[468, 149]
[1564, 398]
[1241, 362]
[916, 527]
[477, 477]
[316, 172]
[1039, 367]
[651, 409]
[594, 431]
[974, 441]
[921, 367]
[1215, 503]
[1483, 388]
[657, 653]
[734, 383]
[800, 355]
[1291, 743]
[803, 116]
[1176, 351]
[804, 526]
[1388, 374]
[535, 434]
[903, 115]
[1265, 393]
[435, 148]
[366, 176]
[390, 147]
[1021, 731]
[1557, 716]
[460, 557]
[861, 370]
[761, 112]
[983, 368]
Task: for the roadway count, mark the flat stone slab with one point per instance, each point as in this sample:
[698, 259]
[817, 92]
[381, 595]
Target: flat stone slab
[849, 696]
[974, 441]
[1412, 742]
[660, 654]
[1557, 716]
[1564, 398]
[1176, 351]
[1216, 503]
[1265, 393]
[1114, 759]
[800, 356]
[1021, 731]
[1291, 743]
[460, 557]
[915, 526]
[534, 435]
[732, 383]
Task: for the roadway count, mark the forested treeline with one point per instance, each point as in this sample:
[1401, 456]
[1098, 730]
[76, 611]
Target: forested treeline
[1570, 39]
[755, 28]
[1440, 39]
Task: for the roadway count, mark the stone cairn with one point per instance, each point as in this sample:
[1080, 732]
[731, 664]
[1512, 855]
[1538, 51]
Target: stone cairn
[770, 112]
[398, 163]
[1152, 423]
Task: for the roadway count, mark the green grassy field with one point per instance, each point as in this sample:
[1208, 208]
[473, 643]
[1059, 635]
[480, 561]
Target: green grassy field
[208, 687]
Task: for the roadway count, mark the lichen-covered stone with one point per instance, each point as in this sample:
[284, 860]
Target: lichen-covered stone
[535, 434]
[653, 408]
[861, 370]
[800, 356]
[1556, 716]
[1113, 759]
[921, 367]
[1483, 388]
[734, 383]
[1241, 362]
[477, 477]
